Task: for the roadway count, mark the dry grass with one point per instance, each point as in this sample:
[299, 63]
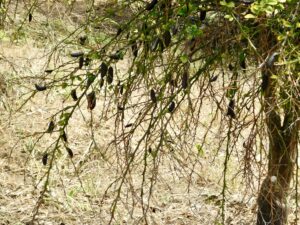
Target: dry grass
[177, 199]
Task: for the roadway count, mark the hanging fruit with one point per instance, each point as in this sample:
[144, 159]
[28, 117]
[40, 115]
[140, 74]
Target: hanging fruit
[74, 95]
[64, 136]
[119, 31]
[51, 126]
[76, 54]
[70, 152]
[82, 39]
[202, 15]
[230, 110]
[39, 87]
[48, 71]
[87, 61]
[121, 108]
[81, 61]
[45, 159]
[103, 69]
[30, 17]
[110, 75]
[167, 38]
[91, 99]
[128, 125]
[185, 80]
[134, 49]
[151, 5]
[153, 96]
[121, 89]
[171, 107]
[213, 79]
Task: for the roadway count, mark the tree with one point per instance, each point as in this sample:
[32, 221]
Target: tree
[183, 54]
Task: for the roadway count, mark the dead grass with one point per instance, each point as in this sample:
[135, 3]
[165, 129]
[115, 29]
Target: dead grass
[67, 201]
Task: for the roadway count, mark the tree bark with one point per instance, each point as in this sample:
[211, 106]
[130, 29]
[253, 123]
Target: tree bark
[272, 208]
[283, 140]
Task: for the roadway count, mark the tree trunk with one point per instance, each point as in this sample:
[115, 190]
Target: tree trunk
[283, 142]
[272, 197]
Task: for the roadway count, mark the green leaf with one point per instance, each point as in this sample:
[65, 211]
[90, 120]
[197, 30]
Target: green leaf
[227, 4]
[193, 31]
[269, 10]
[274, 77]
[255, 8]
[231, 93]
[61, 123]
[71, 193]
[64, 85]
[183, 11]
[95, 55]
[250, 16]
[64, 117]
[200, 150]
[91, 77]
[286, 23]
[223, 3]
[184, 58]
[230, 5]
[229, 17]
[272, 2]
